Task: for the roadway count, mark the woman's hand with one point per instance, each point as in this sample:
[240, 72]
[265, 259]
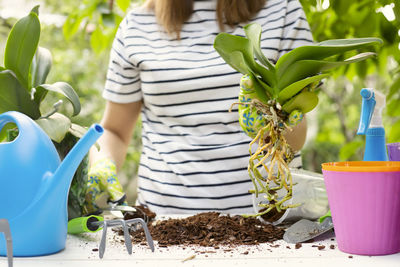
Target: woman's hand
[102, 177]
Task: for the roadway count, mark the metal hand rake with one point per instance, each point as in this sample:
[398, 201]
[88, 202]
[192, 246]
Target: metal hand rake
[124, 223]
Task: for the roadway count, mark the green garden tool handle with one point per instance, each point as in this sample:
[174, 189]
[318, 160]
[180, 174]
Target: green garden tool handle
[89, 224]
[322, 218]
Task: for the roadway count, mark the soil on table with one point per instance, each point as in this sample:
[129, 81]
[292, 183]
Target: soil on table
[209, 229]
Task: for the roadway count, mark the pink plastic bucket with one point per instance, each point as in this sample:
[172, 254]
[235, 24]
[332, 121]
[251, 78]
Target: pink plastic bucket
[364, 198]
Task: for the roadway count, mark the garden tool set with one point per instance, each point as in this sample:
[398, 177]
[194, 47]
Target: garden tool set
[94, 223]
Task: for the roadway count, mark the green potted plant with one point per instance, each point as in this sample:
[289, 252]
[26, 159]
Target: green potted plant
[23, 88]
[274, 97]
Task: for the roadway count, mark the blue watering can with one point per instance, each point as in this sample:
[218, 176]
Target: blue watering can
[34, 186]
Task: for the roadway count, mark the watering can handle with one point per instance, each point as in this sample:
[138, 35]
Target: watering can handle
[23, 122]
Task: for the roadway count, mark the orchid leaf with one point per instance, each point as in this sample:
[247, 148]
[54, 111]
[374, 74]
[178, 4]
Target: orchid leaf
[225, 44]
[238, 62]
[322, 50]
[13, 96]
[266, 75]
[296, 87]
[305, 102]
[270, 91]
[253, 33]
[307, 68]
[40, 68]
[66, 90]
[56, 126]
[21, 46]
[259, 89]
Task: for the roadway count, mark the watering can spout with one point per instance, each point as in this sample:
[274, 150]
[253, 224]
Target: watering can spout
[71, 162]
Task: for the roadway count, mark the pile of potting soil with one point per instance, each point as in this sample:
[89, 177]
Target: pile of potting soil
[209, 229]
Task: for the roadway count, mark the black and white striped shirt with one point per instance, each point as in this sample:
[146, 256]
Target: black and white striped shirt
[195, 155]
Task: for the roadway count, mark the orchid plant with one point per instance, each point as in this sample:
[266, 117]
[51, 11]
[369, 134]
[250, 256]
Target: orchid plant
[274, 97]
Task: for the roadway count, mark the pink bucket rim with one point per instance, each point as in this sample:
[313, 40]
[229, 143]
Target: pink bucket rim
[362, 166]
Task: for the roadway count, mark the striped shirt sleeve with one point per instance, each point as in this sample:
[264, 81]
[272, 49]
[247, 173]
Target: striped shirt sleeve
[297, 30]
[123, 80]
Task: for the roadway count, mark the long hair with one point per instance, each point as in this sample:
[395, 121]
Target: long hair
[171, 14]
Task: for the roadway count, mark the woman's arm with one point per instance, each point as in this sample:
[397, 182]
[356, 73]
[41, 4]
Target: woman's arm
[118, 122]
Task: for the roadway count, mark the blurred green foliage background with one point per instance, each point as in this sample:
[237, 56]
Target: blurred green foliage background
[80, 37]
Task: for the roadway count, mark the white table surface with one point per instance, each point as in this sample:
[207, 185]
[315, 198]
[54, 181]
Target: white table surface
[81, 250]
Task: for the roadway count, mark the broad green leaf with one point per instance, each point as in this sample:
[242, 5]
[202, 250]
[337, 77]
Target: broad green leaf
[350, 43]
[307, 68]
[238, 62]
[253, 33]
[305, 102]
[260, 91]
[226, 43]
[21, 47]
[13, 96]
[266, 75]
[2, 68]
[270, 92]
[66, 90]
[322, 50]
[123, 4]
[296, 87]
[56, 126]
[35, 10]
[41, 65]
